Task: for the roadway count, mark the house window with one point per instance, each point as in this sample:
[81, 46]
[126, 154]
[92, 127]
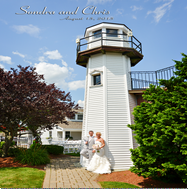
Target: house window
[97, 79]
[73, 117]
[67, 134]
[97, 34]
[111, 33]
[80, 117]
[50, 134]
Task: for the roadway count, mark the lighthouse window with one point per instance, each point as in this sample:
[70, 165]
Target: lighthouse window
[97, 79]
[97, 34]
[111, 32]
[124, 35]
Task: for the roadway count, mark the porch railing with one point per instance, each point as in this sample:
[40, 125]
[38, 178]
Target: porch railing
[24, 142]
[142, 79]
[102, 39]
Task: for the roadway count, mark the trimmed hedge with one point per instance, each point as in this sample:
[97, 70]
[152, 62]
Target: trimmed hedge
[53, 149]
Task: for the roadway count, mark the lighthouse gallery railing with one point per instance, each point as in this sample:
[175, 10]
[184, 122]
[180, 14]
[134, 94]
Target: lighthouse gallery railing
[142, 79]
[102, 39]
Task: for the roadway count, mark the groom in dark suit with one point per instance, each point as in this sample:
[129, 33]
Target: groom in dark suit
[89, 141]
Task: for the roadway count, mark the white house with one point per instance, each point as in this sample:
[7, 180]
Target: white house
[62, 132]
[108, 51]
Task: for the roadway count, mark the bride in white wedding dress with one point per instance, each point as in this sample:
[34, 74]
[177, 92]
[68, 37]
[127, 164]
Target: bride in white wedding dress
[99, 162]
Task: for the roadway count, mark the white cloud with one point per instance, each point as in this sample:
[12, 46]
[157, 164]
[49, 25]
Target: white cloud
[64, 63]
[158, 1]
[5, 59]
[43, 49]
[134, 17]
[4, 21]
[74, 85]
[60, 74]
[29, 29]
[159, 12]
[2, 66]
[54, 55]
[81, 103]
[135, 8]
[28, 62]
[97, 1]
[19, 54]
[53, 73]
[41, 58]
[120, 11]
[71, 69]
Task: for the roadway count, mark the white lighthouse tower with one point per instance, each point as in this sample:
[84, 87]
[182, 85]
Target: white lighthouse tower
[108, 50]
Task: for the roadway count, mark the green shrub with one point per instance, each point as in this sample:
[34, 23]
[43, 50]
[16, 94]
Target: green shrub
[53, 149]
[13, 143]
[34, 156]
[13, 151]
[161, 129]
[35, 145]
[1, 144]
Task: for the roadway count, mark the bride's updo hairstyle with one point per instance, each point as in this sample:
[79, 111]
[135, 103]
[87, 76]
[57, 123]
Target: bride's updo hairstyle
[98, 133]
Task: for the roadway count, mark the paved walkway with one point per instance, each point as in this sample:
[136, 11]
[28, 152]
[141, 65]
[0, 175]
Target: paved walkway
[67, 173]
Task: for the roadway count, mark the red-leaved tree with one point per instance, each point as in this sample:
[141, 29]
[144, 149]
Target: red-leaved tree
[26, 101]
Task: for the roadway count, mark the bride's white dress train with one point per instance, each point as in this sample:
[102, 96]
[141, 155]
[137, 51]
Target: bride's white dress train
[99, 162]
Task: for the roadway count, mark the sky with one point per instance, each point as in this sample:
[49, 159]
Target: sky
[47, 40]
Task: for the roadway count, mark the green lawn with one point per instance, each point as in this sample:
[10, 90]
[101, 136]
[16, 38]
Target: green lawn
[21, 177]
[117, 185]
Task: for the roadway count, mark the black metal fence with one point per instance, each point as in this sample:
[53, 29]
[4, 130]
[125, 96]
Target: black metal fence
[142, 79]
[102, 37]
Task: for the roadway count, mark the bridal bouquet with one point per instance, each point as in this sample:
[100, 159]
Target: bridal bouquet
[96, 147]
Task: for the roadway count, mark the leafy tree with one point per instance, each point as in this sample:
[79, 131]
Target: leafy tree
[161, 129]
[27, 102]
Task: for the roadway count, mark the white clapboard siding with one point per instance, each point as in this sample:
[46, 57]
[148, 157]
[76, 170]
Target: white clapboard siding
[96, 43]
[107, 41]
[95, 106]
[95, 118]
[96, 63]
[85, 107]
[132, 103]
[118, 43]
[119, 139]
